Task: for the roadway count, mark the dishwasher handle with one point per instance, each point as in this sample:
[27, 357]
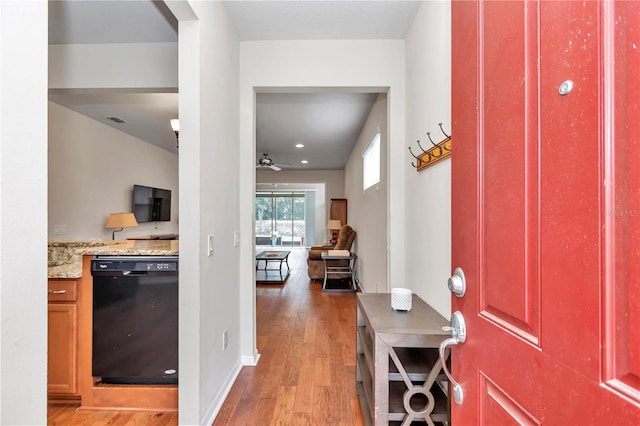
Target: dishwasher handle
[132, 274]
[116, 273]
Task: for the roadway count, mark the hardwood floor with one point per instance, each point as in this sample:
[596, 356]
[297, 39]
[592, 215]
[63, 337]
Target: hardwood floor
[68, 415]
[306, 373]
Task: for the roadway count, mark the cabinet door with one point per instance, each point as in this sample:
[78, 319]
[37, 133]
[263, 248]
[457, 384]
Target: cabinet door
[62, 356]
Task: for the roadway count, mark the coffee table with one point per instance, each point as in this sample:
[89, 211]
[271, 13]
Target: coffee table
[266, 275]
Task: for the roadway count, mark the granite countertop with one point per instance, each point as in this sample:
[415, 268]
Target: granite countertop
[68, 270]
[134, 248]
[72, 267]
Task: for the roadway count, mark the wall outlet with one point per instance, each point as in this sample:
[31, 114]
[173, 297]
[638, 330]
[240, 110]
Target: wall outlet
[210, 245]
[236, 238]
[225, 340]
[60, 229]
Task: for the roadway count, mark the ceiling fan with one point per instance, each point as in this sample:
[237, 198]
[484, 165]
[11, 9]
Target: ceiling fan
[266, 162]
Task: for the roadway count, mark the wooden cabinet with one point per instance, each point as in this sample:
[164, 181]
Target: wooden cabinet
[399, 375]
[62, 372]
[338, 211]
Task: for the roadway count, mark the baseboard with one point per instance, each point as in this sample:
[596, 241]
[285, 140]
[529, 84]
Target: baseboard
[213, 410]
[251, 360]
[216, 404]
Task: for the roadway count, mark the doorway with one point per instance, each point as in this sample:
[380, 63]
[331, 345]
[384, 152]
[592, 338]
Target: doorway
[281, 219]
[289, 66]
[368, 208]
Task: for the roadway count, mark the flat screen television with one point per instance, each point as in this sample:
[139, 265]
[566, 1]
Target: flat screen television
[151, 204]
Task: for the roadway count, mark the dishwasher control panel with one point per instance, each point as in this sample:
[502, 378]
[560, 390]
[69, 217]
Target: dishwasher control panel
[138, 264]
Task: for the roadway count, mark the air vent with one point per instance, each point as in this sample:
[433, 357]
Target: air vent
[115, 119]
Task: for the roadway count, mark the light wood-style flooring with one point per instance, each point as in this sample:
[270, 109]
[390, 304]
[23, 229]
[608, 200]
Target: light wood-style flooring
[306, 373]
[68, 415]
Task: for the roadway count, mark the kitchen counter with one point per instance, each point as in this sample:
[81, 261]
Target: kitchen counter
[134, 248]
[65, 257]
[68, 270]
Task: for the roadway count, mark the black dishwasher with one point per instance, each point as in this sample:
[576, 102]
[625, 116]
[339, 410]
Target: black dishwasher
[135, 319]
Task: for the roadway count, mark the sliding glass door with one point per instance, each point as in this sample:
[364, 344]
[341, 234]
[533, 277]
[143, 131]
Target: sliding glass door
[280, 218]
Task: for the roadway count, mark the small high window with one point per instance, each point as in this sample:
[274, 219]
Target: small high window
[371, 163]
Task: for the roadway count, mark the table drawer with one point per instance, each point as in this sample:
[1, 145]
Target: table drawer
[63, 290]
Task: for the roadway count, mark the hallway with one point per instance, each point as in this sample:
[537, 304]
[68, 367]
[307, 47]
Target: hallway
[306, 373]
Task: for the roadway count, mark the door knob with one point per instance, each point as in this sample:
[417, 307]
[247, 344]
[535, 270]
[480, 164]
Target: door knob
[456, 283]
[458, 330]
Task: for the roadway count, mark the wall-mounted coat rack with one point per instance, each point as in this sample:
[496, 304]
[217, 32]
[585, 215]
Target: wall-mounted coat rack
[439, 151]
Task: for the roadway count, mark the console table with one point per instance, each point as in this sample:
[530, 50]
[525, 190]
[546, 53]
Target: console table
[399, 375]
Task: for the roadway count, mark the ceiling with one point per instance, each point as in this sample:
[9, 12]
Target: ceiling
[321, 20]
[120, 21]
[328, 124]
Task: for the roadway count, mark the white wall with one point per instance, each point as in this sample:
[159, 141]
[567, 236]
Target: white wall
[92, 169]
[121, 66]
[369, 65]
[209, 163]
[331, 180]
[368, 209]
[23, 215]
[428, 200]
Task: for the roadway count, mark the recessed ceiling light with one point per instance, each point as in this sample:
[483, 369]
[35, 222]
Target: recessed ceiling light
[299, 145]
[304, 161]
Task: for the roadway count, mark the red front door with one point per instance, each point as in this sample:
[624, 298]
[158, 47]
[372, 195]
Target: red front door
[546, 211]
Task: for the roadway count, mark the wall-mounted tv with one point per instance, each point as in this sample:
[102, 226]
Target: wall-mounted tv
[151, 204]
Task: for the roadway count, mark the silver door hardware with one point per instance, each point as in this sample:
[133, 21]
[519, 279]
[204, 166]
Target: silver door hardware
[458, 336]
[565, 87]
[456, 283]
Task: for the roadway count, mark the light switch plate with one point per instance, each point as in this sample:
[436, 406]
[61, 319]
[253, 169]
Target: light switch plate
[210, 245]
[236, 238]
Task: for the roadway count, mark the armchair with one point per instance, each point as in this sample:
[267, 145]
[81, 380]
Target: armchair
[314, 261]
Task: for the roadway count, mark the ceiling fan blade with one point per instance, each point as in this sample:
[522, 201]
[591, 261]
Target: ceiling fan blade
[276, 168]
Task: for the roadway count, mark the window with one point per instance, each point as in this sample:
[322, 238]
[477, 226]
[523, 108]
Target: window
[280, 218]
[371, 163]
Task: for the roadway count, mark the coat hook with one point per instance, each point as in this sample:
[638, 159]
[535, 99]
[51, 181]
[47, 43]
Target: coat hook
[442, 130]
[431, 140]
[423, 150]
[435, 148]
[415, 156]
[421, 158]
